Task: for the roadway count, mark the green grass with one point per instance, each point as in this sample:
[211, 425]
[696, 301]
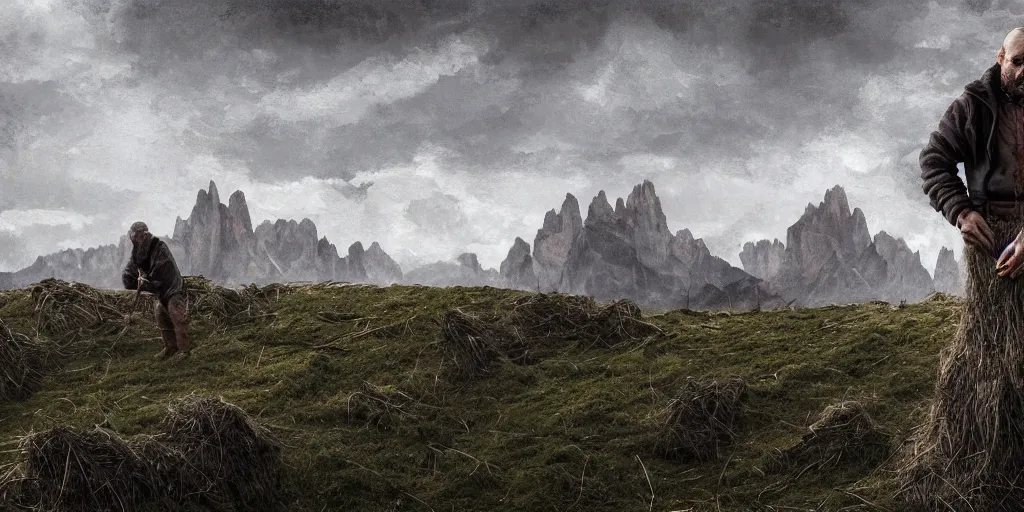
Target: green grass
[576, 431]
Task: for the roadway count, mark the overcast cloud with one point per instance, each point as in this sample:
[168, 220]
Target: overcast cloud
[473, 117]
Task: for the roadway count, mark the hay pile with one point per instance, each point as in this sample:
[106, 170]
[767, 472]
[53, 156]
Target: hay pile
[701, 419]
[475, 344]
[94, 470]
[844, 434]
[970, 452]
[551, 316]
[241, 457]
[212, 454]
[22, 363]
[76, 310]
[269, 293]
[227, 306]
[537, 322]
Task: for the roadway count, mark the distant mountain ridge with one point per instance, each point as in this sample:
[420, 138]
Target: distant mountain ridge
[625, 251]
[629, 251]
[218, 241]
[829, 257]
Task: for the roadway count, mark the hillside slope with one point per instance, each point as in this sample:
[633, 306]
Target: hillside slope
[377, 420]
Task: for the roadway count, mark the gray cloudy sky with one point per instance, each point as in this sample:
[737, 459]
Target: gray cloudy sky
[474, 117]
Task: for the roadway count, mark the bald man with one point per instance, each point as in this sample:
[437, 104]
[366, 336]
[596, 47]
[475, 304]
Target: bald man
[970, 454]
[984, 130]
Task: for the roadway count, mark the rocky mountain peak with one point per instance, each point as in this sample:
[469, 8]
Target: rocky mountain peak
[208, 234]
[684, 235]
[565, 218]
[948, 277]
[380, 268]
[570, 213]
[356, 249]
[214, 196]
[469, 260]
[600, 209]
[519, 244]
[763, 259]
[645, 212]
[830, 257]
[308, 226]
[644, 200]
[887, 245]
[218, 241]
[355, 262]
[637, 256]
[836, 203]
[239, 211]
[517, 268]
[861, 235]
[830, 228]
[325, 247]
[905, 278]
[553, 241]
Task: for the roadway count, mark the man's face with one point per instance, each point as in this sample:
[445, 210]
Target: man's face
[1011, 65]
[137, 237]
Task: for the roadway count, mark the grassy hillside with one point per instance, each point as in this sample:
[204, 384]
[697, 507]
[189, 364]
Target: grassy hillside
[375, 420]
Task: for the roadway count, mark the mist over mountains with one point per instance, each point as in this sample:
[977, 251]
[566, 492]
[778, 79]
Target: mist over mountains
[444, 126]
[625, 251]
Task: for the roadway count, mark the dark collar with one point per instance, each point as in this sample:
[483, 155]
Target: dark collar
[988, 88]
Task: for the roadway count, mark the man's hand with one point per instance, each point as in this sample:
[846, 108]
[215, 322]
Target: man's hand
[975, 230]
[142, 282]
[1011, 261]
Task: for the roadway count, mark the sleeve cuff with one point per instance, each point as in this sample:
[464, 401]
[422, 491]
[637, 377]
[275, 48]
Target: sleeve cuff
[954, 211]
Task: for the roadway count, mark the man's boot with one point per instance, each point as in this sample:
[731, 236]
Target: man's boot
[170, 345]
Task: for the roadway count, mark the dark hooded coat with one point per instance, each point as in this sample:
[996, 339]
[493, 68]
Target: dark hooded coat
[155, 260]
[966, 135]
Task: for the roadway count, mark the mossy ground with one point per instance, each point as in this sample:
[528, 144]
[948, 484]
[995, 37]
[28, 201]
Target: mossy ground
[576, 431]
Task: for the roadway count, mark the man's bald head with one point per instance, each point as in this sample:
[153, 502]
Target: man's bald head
[1013, 36]
[1011, 64]
[1013, 45]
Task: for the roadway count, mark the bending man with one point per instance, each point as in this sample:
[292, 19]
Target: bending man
[152, 269]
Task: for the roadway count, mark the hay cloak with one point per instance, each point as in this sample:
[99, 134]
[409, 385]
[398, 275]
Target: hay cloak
[969, 455]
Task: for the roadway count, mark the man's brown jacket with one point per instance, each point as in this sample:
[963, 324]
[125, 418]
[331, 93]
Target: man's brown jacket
[966, 135]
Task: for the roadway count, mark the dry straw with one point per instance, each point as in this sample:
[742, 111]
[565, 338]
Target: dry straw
[475, 344]
[537, 323]
[239, 455]
[844, 434]
[546, 316]
[228, 306]
[75, 310]
[701, 419]
[64, 470]
[212, 454]
[970, 452]
[22, 362]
